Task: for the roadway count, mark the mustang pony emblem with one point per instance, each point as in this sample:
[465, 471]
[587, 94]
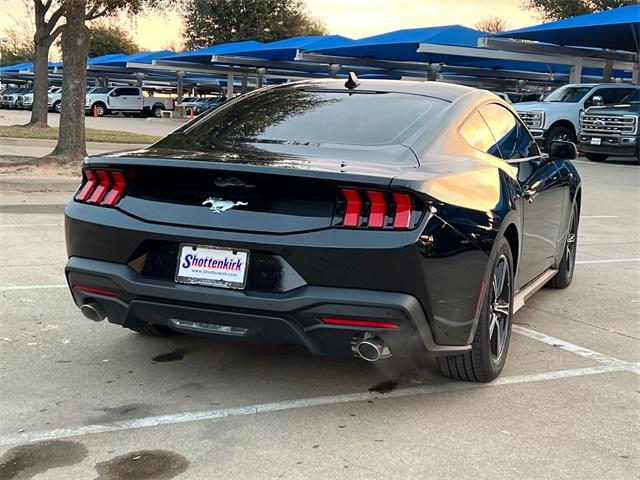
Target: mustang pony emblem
[219, 205]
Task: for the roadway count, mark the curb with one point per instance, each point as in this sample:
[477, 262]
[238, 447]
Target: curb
[23, 184]
[30, 142]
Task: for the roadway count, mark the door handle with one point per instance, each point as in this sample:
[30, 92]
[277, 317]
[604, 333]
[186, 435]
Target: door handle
[530, 194]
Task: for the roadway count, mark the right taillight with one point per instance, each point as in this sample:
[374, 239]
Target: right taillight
[102, 187]
[375, 209]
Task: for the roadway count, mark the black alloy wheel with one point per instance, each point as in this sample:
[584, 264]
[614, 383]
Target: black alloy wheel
[488, 353]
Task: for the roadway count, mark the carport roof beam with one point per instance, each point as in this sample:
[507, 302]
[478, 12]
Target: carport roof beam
[485, 53]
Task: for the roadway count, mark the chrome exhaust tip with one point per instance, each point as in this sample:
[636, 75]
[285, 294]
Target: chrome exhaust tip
[369, 348]
[93, 311]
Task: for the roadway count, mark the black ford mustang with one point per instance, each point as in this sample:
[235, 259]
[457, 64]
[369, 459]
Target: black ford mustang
[372, 218]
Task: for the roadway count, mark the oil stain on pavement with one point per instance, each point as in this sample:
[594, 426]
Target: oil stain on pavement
[143, 465]
[171, 356]
[27, 461]
[385, 387]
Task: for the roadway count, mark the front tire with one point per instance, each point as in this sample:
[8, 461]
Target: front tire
[99, 109]
[596, 157]
[490, 345]
[559, 132]
[563, 278]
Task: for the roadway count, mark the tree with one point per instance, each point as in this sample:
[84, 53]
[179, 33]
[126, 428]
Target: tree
[48, 21]
[556, 9]
[106, 39]
[492, 24]
[19, 45]
[75, 51]
[211, 22]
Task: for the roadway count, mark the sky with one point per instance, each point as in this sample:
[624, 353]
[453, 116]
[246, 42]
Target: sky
[351, 18]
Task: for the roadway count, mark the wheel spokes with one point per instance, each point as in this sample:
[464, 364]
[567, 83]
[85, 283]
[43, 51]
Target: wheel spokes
[499, 277]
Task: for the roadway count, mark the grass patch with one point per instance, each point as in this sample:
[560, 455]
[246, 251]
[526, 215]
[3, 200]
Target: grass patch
[93, 135]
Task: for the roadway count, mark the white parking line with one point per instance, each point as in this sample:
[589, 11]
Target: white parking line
[611, 260]
[582, 217]
[31, 287]
[603, 164]
[32, 225]
[566, 346]
[189, 417]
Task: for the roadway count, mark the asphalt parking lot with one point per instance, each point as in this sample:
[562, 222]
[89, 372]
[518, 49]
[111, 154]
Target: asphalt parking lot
[94, 401]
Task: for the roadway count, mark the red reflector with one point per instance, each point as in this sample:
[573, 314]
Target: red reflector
[101, 189]
[113, 196]
[96, 290]
[89, 186]
[378, 209]
[359, 323]
[403, 210]
[354, 207]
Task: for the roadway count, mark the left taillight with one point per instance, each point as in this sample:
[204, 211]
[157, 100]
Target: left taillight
[102, 187]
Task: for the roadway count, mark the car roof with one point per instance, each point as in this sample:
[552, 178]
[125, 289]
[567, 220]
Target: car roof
[444, 91]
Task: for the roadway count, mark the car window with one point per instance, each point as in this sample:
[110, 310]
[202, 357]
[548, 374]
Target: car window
[298, 115]
[633, 97]
[608, 96]
[512, 138]
[622, 93]
[567, 94]
[477, 134]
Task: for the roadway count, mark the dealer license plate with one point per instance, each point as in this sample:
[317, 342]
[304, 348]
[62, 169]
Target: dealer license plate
[596, 141]
[212, 266]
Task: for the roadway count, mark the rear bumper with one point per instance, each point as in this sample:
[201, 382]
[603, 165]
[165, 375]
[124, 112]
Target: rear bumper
[288, 318]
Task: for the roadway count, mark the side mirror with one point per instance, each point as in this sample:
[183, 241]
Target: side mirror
[597, 101]
[563, 150]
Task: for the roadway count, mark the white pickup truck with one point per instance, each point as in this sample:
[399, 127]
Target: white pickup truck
[128, 100]
[557, 116]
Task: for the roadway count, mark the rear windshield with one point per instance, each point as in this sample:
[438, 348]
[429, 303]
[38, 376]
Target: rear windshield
[295, 115]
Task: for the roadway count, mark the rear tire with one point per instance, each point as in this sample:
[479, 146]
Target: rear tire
[488, 353]
[596, 157]
[57, 107]
[151, 330]
[563, 278]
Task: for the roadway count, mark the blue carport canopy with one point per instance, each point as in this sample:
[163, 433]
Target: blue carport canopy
[204, 55]
[617, 29]
[141, 57]
[401, 45]
[286, 49]
[19, 67]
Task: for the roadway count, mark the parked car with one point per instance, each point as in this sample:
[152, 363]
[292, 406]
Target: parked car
[612, 130]
[106, 100]
[557, 116]
[5, 94]
[519, 97]
[27, 99]
[10, 100]
[208, 104]
[367, 219]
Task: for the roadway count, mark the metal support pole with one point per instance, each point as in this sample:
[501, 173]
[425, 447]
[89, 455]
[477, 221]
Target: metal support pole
[261, 73]
[244, 88]
[179, 84]
[576, 71]
[230, 85]
[635, 75]
[607, 71]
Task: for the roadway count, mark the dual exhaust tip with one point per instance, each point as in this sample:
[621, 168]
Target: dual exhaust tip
[366, 346]
[369, 347]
